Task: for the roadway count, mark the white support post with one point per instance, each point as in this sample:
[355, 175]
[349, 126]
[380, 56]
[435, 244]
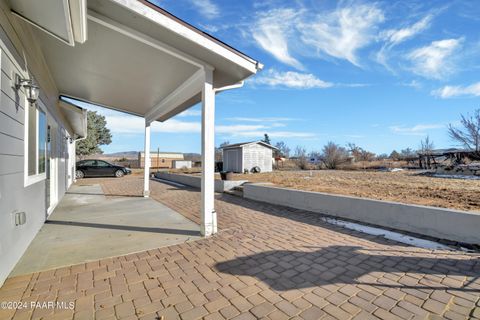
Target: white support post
[208, 215]
[146, 153]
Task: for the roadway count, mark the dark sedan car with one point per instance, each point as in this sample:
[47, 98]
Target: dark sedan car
[99, 168]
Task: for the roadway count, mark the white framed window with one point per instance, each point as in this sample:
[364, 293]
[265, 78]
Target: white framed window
[35, 143]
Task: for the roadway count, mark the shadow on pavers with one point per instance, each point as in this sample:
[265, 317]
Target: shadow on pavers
[285, 270]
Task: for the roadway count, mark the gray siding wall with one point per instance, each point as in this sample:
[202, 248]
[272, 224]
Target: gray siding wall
[14, 195]
[257, 155]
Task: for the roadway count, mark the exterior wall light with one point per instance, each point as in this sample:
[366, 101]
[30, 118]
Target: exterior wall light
[32, 91]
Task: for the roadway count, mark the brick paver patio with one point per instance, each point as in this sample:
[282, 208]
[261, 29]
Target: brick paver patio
[266, 262]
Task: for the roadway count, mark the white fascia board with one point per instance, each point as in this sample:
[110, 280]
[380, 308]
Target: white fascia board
[185, 91]
[78, 9]
[68, 23]
[187, 33]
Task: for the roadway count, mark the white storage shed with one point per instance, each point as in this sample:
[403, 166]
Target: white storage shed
[248, 155]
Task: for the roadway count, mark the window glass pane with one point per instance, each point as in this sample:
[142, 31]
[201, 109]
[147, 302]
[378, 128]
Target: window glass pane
[88, 163]
[102, 164]
[32, 140]
[42, 141]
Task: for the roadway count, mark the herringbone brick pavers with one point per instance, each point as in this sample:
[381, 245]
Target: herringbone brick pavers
[266, 262]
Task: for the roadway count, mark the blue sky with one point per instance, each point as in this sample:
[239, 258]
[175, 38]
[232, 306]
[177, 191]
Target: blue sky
[381, 74]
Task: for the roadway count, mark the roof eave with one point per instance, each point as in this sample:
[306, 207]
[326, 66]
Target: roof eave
[184, 29]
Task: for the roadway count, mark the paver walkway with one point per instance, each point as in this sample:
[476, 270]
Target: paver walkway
[266, 262]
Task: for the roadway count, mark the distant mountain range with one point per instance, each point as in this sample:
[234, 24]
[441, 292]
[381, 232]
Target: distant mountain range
[124, 154]
[134, 155]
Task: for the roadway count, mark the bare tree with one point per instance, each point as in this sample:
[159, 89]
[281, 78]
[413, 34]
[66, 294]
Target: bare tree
[360, 154]
[334, 155]
[301, 157]
[218, 151]
[469, 135]
[407, 153]
[426, 145]
[283, 149]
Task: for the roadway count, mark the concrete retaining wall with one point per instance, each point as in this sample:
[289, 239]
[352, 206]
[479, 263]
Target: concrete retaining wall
[195, 181]
[440, 223]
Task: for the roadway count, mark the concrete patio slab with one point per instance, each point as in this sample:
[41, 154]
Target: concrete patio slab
[88, 226]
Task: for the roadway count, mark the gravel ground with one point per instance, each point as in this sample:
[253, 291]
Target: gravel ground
[403, 186]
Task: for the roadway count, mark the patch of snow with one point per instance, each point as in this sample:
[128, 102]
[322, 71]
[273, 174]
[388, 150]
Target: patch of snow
[456, 176]
[391, 235]
[390, 169]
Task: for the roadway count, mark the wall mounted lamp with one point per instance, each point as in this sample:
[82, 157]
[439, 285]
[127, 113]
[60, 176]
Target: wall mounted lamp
[32, 91]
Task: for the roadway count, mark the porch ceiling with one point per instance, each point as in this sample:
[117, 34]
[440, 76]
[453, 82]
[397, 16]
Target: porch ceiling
[118, 67]
[113, 70]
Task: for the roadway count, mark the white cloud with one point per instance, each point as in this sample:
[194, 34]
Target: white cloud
[127, 124]
[396, 36]
[419, 129]
[412, 84]
[455, 91]
[270, 119]
[344, 31]
[272, 134]
[239, 128]
[207, 8]
[290, 79]
[272, 31]
[190, 113]
[435, 60]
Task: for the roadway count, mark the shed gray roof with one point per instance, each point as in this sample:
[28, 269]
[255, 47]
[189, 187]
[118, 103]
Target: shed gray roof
[242, 144]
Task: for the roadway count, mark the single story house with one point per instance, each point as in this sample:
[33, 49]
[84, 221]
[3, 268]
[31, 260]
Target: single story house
[160, 160]
[241, 157]
[126, 55]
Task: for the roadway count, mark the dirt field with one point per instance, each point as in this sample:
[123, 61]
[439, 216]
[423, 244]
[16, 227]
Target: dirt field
[403, 186]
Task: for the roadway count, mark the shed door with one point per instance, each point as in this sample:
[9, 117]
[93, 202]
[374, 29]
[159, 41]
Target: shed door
[233, 163]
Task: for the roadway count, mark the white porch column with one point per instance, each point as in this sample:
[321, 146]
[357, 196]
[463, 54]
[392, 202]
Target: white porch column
[208, 215]
[146, 153]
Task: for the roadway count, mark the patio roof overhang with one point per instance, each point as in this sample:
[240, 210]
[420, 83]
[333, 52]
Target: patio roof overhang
[134, 57]
[131, 56]
[77, 118]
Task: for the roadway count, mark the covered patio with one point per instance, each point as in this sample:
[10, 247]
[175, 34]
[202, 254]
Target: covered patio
[88, 225]
[134, 57]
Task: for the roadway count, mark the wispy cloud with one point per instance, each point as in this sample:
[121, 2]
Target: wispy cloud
[456, 91]
[394, 37]
[237, 129]
[125, 124]
[207, 8]
[344, 31]
[190, 113]
[290, 79]
[251, 128]
[271, 134]
[417, 130]
[269, 119]
[272, 31]
[412, 84]
[435, 60]
[339, 33]
[397, 36]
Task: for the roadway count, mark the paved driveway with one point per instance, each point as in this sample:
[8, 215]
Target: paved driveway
[267, 262]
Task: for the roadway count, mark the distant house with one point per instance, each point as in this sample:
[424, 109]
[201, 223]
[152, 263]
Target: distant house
[160, 160]
[435, 158]
[240, 157]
